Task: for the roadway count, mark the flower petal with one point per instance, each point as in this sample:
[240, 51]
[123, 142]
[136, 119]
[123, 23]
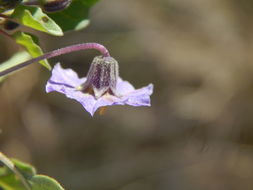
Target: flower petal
[88, 101]
[123, 87]
[65, 76]
[139, 97]
[107, 100]
[66, 81]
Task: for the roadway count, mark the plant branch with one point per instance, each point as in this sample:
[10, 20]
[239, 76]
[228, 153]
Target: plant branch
[5, 33]
[55, 53]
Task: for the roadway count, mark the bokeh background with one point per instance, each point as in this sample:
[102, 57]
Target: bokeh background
[198, 133]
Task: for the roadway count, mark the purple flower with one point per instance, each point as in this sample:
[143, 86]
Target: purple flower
[102, 86]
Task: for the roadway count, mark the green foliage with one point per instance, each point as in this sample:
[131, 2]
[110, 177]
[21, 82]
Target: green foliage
[76, 13]
[72, 17]
[16, 59]
[9, 181]
[30, 42]
[27, 170]
[42, 182]
[15, 174]
[34, 17]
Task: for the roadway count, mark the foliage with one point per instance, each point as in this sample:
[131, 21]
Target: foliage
[17, 175]
[64, 15]
[14, 60]
[53, 17]
[30, 42]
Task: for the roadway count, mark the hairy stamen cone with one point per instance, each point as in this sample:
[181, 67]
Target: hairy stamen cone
[102, 76]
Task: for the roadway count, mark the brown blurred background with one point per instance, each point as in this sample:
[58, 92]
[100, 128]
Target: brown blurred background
[197, 135]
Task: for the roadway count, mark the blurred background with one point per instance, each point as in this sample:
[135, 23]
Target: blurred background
[198, 133]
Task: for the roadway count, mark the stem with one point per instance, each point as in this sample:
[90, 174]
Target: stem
[6, 17]
[3, 16]
[5, 33]
[55, 53]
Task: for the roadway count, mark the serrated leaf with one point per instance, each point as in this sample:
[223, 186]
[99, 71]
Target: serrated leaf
[75, 17]
[42, 182]
[34, 17]
[30, 42]
[14, 60]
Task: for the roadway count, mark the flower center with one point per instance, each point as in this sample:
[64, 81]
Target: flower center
[102, 77]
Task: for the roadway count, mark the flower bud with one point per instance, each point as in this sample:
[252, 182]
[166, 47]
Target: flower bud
[10, 25]
[102, 76]
[55, 5]
[9, 4]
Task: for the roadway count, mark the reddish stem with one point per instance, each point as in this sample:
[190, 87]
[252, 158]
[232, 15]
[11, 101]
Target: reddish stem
[65, 50]
[5, 33]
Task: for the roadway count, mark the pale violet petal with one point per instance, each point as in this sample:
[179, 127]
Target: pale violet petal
[107, 100]
[123, 87]
[59, 87]
[88, 101]
[65, 76]
[66, 81]
[139, 97]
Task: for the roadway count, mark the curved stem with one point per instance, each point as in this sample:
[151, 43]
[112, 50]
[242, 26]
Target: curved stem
[65, 50]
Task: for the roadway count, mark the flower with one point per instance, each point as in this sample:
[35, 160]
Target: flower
[102, 86]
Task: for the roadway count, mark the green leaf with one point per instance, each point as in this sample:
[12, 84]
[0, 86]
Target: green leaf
[42, 182]
[34, 17]
[26, 170]
[75, 17]
[17, 58]
[30, 42]
[10, 181]
[14, 60]
[11, 178]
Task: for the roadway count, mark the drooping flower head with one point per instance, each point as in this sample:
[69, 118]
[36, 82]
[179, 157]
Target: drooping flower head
[102, 76]
[102, 86]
